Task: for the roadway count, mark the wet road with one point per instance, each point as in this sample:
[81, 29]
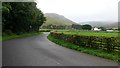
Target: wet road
[39, 51]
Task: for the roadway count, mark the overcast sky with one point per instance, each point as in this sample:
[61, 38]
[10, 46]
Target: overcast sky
[82, 10]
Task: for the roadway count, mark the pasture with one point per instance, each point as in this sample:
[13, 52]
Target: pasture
[101, 42]
[88, 33]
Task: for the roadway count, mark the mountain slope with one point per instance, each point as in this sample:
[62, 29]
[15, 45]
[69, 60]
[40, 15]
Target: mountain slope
[55, 19]
[101, 24]
[113, 25]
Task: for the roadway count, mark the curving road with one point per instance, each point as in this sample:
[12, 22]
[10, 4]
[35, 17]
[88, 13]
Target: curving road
[39, 51]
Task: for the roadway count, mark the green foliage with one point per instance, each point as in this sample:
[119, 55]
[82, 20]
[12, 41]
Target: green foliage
[82, 27]
[103, 28]
[76, 26]
[86, 27]
[21, 17]
[109, 44]
[92, 51]
[6, 37]
[6, 7]
[51, 26]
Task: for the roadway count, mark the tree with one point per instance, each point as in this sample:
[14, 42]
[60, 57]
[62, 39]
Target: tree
[76, 26]
[102, 28]
[20, 17]
[86, 27]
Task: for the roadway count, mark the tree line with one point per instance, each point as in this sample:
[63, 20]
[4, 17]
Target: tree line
[21, 17]
[73, 26]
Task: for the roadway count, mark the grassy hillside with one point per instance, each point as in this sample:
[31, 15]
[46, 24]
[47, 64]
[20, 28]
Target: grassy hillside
[100, 23]
[56, 19]
[113, 25]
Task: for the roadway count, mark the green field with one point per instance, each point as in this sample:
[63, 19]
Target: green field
[88, 33]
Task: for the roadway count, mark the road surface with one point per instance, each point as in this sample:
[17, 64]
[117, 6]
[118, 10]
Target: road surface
[39, 51]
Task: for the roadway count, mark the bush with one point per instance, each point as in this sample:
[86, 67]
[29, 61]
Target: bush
[7, 32]
[109, 44]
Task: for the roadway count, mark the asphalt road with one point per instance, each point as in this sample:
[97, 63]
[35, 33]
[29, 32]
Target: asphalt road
[39, 51]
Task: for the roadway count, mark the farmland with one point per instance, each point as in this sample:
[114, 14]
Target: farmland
[88, 33]
[82, 40]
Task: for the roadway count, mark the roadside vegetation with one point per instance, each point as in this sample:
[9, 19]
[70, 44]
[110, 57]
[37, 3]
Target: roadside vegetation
[6, 37]
[21, 19]
[102, 44]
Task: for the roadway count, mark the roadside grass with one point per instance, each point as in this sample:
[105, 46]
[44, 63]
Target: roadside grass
[6, 37]
[88, 33]
[92, 51]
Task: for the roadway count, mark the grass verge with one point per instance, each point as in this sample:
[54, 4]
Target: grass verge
[95, 52]
[6, 37]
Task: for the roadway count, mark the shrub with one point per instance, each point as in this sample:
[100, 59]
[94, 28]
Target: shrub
[109, 44]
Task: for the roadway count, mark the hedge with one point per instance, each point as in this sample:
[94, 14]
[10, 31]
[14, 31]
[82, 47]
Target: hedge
[109, 44]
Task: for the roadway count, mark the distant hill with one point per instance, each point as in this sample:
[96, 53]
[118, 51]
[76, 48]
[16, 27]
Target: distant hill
[55, 19]
[101, 24]
[113, 25]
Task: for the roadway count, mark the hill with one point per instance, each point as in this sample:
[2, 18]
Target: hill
[101, 24]
[55, 19]
[113, 25]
